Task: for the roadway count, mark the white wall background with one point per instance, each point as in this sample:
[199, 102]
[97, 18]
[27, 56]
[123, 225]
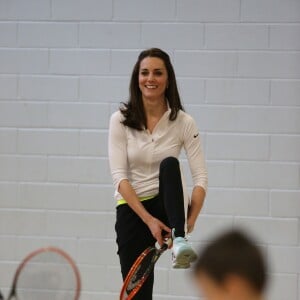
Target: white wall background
[64, 67]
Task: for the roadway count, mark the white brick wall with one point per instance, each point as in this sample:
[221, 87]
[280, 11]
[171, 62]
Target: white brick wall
[65, 66]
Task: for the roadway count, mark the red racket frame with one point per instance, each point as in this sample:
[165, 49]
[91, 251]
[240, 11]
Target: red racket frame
[42, 250]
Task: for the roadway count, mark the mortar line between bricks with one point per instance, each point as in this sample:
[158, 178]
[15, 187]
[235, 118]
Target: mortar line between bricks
[177, 50]
[98, 103]
[150, 22]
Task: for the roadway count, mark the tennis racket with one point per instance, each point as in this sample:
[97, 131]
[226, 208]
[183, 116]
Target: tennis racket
[46, 274]
[141, 269]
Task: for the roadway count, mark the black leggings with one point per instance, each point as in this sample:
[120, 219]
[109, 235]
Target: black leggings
[134, 236]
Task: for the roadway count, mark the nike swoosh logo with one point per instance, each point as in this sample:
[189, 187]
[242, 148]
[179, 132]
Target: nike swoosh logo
[195, 135]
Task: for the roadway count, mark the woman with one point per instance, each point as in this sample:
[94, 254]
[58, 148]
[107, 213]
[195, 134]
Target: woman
[146, 137]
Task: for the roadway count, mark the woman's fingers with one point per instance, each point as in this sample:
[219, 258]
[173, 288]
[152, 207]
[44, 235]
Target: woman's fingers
[164, 227]
[157, 227]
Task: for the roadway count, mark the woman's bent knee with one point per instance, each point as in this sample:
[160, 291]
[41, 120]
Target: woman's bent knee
[169, 162]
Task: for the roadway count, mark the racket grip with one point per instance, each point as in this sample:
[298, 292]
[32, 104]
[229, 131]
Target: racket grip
[166, 244]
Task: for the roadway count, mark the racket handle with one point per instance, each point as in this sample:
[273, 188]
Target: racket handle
[166, 244]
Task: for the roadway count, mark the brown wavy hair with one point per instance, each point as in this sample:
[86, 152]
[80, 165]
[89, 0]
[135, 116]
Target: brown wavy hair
[133, 110]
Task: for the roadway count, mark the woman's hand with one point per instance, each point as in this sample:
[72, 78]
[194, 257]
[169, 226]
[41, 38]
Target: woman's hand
[157, 227]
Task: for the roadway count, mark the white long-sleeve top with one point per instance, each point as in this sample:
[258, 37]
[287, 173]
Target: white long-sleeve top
[136, 155]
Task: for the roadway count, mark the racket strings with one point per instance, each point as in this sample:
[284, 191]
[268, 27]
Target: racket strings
[46, 276]
[142, 271]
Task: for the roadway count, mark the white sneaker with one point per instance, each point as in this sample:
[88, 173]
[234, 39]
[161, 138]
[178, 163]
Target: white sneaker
[183, 253]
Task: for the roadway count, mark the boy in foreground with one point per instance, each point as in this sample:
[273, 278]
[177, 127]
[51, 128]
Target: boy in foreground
[231, 267]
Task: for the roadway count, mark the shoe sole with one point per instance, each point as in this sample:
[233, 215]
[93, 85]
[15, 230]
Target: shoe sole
[178, 266]
[184, 258]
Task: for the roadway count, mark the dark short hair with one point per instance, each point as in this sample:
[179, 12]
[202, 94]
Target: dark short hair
[133, 110]
[233, 253]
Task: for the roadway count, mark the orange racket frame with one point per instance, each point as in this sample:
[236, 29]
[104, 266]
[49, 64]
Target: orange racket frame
[135, 266]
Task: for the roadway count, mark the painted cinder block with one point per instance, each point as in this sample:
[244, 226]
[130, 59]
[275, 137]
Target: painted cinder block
[284, 259]
[166, 36]
[8, 86]
[29, 10]
[97, 252]
[9, 167]
[93, 277]
[180, 284]
[8, 269]
[47, 35]
[104, 89]
[237, 147]
[237, 91]
[49, 196]
[280, 231]
[282, 286]
[285, 203]
[213, 224]
[81, 10]
[8, 249]
[110, 35]
[285, 92]
[78, 115]
[8, 33]
[162, 275]
[32, 168]
[205, 11]
[23, 114]
[46, 141]
[205, 63]
[8, 141]
[285, 37]
[27, 244]
[8, 194]
[96, 197]
[30, 223]
[236, 36]
[92, 143]
[137, 10]
[285, 148]
[123, 61]
[76, 224]
[269, 65]
[267, 175]
[191, 90]
[113, 286]
[270, 11]
[221, 173]
[52, 88]
[268, 119]
[75, 61]
[241, 202]
[78, 170]
[25, 61]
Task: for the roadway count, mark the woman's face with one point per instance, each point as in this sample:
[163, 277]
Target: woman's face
[153, 78]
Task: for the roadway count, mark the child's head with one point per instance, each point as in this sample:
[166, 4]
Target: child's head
[231, 267]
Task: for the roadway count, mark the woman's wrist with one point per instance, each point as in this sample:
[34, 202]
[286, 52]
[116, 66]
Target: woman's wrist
[147, 218]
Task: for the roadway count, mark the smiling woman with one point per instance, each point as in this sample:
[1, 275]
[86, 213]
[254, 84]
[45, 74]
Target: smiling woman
[146, 137]
[159, 62]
